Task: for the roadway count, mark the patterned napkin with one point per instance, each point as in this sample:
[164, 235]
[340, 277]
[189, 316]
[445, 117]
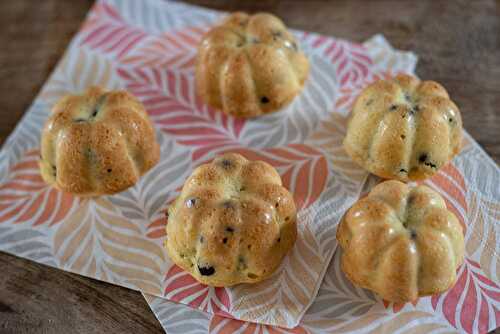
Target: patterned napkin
[148, 47]
[469, 186]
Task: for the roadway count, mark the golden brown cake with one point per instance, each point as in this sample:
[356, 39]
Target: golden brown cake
[403, 128]
[97, 143]
[232, 223]
[250, 65]
[401, 242]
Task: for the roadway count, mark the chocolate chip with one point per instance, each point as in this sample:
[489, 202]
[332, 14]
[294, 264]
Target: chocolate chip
[166, 214]
[430, 164]
[224, 240]
[287, 219]
[109, 170]
[413, 234]
[277, 205]
[450, 120]
[402, 170]
[242, 189]
[423, 159]
[202, 239]
[279, 239]
[225, 163]
[276, 33]
[228, 205]
[403, 136]
[229, 229]
[393, 107]
[206, 271]
[241, 263]
[264, 100]
[191, 202]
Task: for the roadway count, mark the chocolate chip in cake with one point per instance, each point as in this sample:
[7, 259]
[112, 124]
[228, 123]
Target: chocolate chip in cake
[202, 239]
[109, 170]
[206, 271]
[228, 205]
[413, 234]
[264, 100]
[450, 120]
[403, 137]
[279, 239]
[242, 265]
[422, 158]
[191, 202]
[224, 240]
[276, 33]
[229, 229]
[393, 107]
[430, 164]
[402, 170]
[252, 276]
[242, 188]
[226, 164]
[287, 218]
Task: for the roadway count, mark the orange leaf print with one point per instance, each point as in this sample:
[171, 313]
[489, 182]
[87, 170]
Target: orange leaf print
[450, 183]
[26, 198]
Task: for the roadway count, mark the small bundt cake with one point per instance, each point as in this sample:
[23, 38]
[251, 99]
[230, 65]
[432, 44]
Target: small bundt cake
[232, 223]
[250, 65]
[97, 143]
[401, 242]
[403, 128]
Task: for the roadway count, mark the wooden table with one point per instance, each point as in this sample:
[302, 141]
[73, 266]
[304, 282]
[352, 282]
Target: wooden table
[458, 45]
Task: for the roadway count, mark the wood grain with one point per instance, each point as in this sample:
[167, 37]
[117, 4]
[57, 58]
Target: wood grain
[458, 44]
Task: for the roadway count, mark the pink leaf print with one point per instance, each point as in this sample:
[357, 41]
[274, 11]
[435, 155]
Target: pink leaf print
[26, 198]
[182, 287]
[450, 183]
[173, 50]
[472, 295]
[170, 99]
[303, 169]
[223, 325]
[351, 60]
[106, 31]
